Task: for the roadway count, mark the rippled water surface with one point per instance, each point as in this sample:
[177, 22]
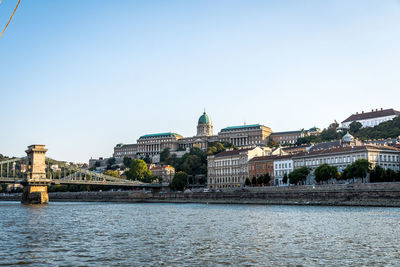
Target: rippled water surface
[93, 234]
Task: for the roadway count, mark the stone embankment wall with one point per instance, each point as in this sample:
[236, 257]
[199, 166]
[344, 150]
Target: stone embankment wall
[383, 194]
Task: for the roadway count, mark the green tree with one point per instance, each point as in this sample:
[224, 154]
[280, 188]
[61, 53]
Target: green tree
[266, 179]
[179, 181]
[272, 143]
[127, 162]
[254, 181]
[260, 179]
[147, 159]
[164, 155]
[358, 169]
[377, 174]
[110, 162]
[325, 172]
[285, 178]
[355, 126]
[299, 175]
[138, 170]
[112, 173]
[247, 182]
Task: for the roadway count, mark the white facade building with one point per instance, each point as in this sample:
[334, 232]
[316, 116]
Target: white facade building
[385, 156]
[228, 169]
[371, 119]
[282, 165]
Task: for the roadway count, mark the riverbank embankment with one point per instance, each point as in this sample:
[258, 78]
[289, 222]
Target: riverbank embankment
[380, 195]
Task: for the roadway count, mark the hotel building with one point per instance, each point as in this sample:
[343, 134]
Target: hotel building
[228, 169]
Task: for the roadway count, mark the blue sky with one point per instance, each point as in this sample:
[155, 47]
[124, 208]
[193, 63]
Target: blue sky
[82, 76]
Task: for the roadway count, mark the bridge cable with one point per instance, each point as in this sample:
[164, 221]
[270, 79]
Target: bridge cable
[15, 9]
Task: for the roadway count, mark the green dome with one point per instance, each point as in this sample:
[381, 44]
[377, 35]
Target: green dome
[204, 119]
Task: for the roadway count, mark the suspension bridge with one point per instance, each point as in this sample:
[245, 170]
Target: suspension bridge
[36, 172]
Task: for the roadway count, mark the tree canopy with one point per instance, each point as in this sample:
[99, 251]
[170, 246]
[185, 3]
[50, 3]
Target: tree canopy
[388, 129]
[325, 172]
[138, 170]
[355, 126]
[379, 175]
[179, 181]
[112, 173]
[127, 162]
[299, 175]
[358, 169]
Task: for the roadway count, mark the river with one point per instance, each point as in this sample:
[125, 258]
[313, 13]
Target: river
[103, 234]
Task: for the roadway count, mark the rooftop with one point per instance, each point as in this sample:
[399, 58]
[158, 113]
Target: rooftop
[258, 126]
[231, 152]
[287, 132]
[371, 115]
[158, 135]
[204, 119]
[270, 158]
[340, 149]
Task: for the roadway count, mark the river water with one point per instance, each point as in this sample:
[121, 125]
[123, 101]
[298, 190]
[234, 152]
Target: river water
[103, 234]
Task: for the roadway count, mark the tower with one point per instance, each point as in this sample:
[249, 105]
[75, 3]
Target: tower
[204, 126]
[35, 186]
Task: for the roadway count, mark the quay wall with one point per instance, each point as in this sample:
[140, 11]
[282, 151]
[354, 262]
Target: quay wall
[382, 195]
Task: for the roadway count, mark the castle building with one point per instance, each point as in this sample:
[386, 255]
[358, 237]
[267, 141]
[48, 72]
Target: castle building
[122, 150]
[203, 137]
[245, 135]
[204, 126]
[287, 138]
[152, 144]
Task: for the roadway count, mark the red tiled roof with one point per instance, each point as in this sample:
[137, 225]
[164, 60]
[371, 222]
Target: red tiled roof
[269, 158]
[286, 133]
[231, 152]
[372, 114]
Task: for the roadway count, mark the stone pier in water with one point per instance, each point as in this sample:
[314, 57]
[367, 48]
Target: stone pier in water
[35, 185]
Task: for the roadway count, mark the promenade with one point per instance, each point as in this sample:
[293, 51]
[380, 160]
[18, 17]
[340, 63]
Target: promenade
[379, 194]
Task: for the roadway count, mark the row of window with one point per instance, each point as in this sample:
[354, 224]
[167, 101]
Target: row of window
[234, 179]
[330, 160]
[223, 163]
[281, 172]
[226, 171]
[283, 165]
[391, 158]
[288, 137]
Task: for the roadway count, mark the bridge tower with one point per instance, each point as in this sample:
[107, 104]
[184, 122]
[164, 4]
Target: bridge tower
[35, 185]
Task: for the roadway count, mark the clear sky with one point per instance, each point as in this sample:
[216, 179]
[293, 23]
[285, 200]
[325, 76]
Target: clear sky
[82, 76]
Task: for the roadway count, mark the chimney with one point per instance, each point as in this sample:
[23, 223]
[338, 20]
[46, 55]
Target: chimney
[362, 112]
[372, 110]
[357, 113]
[381, 108]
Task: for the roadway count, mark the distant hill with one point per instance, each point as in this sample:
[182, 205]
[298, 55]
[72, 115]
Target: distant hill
[389, 129]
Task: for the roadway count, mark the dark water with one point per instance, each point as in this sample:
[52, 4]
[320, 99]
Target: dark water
[102, 234]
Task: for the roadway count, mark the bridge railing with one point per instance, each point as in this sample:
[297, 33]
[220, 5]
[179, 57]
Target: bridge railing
[12, 168]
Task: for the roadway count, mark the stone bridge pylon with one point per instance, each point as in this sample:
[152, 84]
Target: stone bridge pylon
[35, 185]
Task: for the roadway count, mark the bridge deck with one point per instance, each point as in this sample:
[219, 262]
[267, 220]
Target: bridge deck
[84, 182]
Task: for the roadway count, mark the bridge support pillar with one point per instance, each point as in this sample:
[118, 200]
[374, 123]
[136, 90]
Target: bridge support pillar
[35, 194]
[35, 186]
